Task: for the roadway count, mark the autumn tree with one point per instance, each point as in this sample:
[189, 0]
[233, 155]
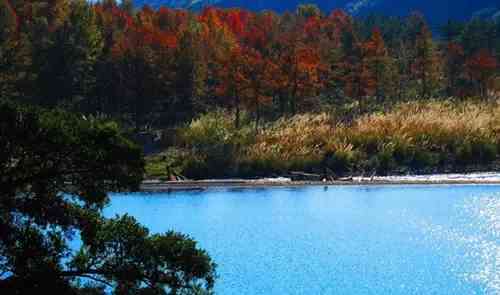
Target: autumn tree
[481, 68]
[159, 67]
[255, 89]
[353, 64]
[351, 71]
[298, 73]
[134, 62]
[332, 54]
[377, 66]
[232, 82]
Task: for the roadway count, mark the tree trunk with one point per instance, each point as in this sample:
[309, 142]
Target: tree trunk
[257, 115]
[237, 117]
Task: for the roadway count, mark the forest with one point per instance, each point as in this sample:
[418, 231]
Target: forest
[225, 93]
[239, 93]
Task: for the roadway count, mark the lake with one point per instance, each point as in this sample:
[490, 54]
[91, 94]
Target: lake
[337, 240]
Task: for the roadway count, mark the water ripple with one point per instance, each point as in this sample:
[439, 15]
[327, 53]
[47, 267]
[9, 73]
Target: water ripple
[478, 241]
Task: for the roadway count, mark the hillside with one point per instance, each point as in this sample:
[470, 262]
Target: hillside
[435, 11]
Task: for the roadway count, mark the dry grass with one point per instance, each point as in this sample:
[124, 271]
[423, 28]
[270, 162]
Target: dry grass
[300, 138]
[415, 135]
[418, 137]
[433, 125]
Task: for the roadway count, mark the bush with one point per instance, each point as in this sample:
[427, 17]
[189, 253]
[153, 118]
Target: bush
[176, 162]
[214, 145]
[424, 159]
[383, 161]
[341, 158]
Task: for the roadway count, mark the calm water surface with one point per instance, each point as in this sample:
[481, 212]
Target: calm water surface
[338, 240]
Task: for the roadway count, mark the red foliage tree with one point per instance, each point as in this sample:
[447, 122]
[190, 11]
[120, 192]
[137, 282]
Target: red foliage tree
[374, 65]
[481, 68]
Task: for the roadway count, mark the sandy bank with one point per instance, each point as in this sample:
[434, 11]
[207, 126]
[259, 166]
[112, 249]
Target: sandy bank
[445, 179]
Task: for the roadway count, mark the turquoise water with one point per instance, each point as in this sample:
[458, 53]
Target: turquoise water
[337, 240]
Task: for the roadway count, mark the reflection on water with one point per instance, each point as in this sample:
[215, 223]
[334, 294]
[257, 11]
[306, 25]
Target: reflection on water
[478, 236]
[338, 240]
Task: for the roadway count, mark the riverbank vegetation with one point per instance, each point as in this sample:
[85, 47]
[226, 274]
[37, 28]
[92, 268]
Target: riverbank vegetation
[415, 137]
[232, 92]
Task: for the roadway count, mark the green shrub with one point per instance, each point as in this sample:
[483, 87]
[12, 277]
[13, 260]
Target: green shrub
[341, 157]
[384, 160]
[172, 162]
[464, 154]
[484, 151]
[215, 145]
[424, 159]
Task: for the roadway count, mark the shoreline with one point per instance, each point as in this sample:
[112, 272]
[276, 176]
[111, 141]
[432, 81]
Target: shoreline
[487, 178]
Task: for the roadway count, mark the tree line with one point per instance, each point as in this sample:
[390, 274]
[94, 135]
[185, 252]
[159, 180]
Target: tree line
[153, 68]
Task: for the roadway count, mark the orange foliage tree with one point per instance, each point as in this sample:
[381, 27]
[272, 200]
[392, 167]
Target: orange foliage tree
[376, 65]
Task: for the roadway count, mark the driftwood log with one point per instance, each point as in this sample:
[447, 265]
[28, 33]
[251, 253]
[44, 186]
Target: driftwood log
[302, 176]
